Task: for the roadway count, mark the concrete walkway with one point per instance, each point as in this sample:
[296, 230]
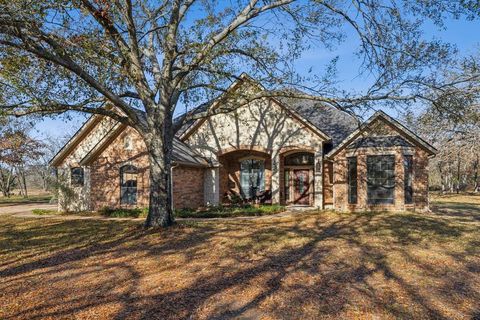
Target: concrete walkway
[25, 211]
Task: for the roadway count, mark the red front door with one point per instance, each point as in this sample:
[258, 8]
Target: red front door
[301, 187]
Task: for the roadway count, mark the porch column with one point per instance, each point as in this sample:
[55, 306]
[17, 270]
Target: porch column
[275, 176]
[211, 186]
[318, 181]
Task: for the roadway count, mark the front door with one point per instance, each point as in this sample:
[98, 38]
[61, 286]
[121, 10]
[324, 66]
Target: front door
[301, 187]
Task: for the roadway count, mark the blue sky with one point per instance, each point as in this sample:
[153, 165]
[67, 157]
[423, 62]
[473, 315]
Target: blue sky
[464, 34]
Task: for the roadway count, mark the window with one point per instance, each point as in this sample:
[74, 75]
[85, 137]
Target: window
[287, 185]
[76, 177]
[352, 180]
[408, 168]
[380, 179]
[128, 184]
[299, 159]
[252, 177]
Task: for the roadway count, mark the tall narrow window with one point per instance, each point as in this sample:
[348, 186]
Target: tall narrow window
[128, 184]
[76, 177]
[380, 179]
[252, 177]
[287, 185]
[352, 179]
[408, 168]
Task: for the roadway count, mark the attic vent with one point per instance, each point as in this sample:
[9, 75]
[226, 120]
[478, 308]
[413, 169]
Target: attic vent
[128, 143]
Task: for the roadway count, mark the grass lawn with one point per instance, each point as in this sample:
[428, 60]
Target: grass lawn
[306, 266]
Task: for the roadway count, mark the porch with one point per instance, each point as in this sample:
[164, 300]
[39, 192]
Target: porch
[261, 176]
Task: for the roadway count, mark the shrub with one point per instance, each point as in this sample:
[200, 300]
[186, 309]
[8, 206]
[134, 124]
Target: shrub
[123, 213]
[229, 211]
[42, 212]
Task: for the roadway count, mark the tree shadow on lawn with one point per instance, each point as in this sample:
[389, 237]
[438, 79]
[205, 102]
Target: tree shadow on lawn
[313, 265]
[459, 211]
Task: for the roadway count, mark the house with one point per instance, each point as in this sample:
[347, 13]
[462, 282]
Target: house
[272, 150]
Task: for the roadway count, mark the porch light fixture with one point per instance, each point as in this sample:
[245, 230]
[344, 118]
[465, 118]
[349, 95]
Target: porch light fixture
[318, 166]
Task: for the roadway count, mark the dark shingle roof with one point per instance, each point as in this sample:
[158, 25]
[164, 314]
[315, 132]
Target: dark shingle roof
[332, 121]
[379, 142]
[183, 154]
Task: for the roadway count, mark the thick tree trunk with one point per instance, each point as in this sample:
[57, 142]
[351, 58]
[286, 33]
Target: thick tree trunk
[160, 212]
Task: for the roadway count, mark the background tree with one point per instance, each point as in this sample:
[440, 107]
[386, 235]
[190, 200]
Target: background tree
[452, 123]
[17, 151]
[159, 56]
[40, 168]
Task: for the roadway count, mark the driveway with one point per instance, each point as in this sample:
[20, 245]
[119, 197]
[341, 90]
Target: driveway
[25, 209]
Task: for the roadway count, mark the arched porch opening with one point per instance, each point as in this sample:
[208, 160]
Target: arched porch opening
[297, 178]
[245, 176]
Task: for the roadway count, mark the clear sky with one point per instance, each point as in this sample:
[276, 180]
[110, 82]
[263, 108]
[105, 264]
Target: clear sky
[464, 34]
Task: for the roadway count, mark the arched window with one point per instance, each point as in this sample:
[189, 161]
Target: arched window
[252, 177]
[128, 184]
[299, 159]
[76, 177]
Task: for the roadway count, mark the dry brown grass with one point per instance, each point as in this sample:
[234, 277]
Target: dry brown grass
[312, 265]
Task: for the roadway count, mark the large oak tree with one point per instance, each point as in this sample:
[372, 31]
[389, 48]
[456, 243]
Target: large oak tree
[158, 56]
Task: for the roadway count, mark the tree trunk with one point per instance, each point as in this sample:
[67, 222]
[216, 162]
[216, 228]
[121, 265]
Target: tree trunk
[160, 154]
[442, 178]
[458, 174]
[23, 181]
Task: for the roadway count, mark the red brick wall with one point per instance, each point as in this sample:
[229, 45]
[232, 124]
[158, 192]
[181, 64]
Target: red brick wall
[188, 187]
[328, 183]
[420, 179]
[105, 176]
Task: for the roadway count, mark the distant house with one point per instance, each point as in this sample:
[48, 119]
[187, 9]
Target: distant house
[288, 151]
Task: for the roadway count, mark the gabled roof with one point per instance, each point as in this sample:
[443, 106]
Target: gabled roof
[336, 123]
[181, 154]
[190, 127]
[411, 137]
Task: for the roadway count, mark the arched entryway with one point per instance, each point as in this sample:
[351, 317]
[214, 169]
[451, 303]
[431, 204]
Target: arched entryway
[245, 176]
[297, 178]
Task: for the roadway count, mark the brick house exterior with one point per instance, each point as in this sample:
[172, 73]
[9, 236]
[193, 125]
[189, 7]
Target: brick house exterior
[287, 151]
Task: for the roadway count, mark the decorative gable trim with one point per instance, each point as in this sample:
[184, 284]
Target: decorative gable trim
[380, 115]
[75, 140]
[101, 145]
